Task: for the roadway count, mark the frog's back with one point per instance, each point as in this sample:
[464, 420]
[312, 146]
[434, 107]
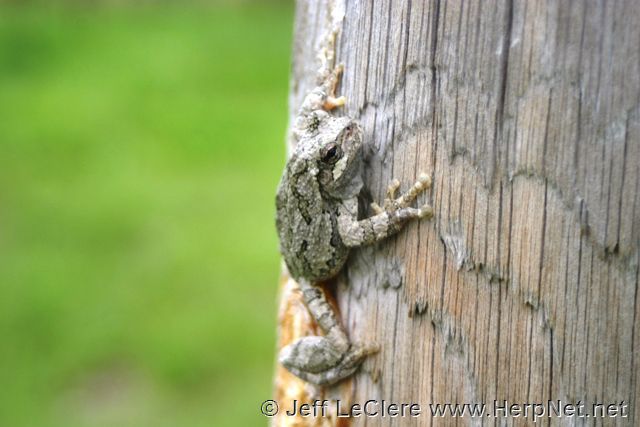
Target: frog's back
[307, 228]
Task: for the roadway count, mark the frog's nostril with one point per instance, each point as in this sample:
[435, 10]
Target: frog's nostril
[348, 131]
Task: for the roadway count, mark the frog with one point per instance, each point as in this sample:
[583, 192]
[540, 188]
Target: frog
[318, 225]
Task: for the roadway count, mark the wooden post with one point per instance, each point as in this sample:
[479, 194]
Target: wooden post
[524, 286]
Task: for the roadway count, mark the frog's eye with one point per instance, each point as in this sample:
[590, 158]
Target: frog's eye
[332, 154]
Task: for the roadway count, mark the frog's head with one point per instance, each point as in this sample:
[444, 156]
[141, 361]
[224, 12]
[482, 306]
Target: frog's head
[338, 155]
[329, 151]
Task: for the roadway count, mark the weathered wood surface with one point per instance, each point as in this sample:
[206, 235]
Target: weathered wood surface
[527, 115]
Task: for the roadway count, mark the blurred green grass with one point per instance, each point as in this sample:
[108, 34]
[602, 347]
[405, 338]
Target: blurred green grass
[140, 148]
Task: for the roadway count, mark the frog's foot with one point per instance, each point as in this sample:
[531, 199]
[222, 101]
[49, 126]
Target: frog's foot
[330, 103]
[392, 189]
[422, 184]
[329, 85]
[399, 206]
[314, 359]
[389, 201]
[404, 214]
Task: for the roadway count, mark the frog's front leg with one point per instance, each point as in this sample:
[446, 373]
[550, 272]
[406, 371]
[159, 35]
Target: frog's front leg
[323, 97]
[329, 89]
[388, 219]
[322, 360]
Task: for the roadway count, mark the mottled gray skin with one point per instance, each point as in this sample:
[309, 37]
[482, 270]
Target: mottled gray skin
[311, 193]
[317, 222]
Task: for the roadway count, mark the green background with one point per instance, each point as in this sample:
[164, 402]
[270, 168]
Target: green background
[140, 148]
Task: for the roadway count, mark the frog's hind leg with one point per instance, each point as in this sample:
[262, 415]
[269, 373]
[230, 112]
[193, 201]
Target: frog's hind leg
[327, 359]
[311, 359]
[323, 313]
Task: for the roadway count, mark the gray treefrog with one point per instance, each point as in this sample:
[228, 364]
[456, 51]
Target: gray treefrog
[317, 223]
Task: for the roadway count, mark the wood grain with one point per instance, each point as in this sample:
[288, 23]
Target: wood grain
[526, 114]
